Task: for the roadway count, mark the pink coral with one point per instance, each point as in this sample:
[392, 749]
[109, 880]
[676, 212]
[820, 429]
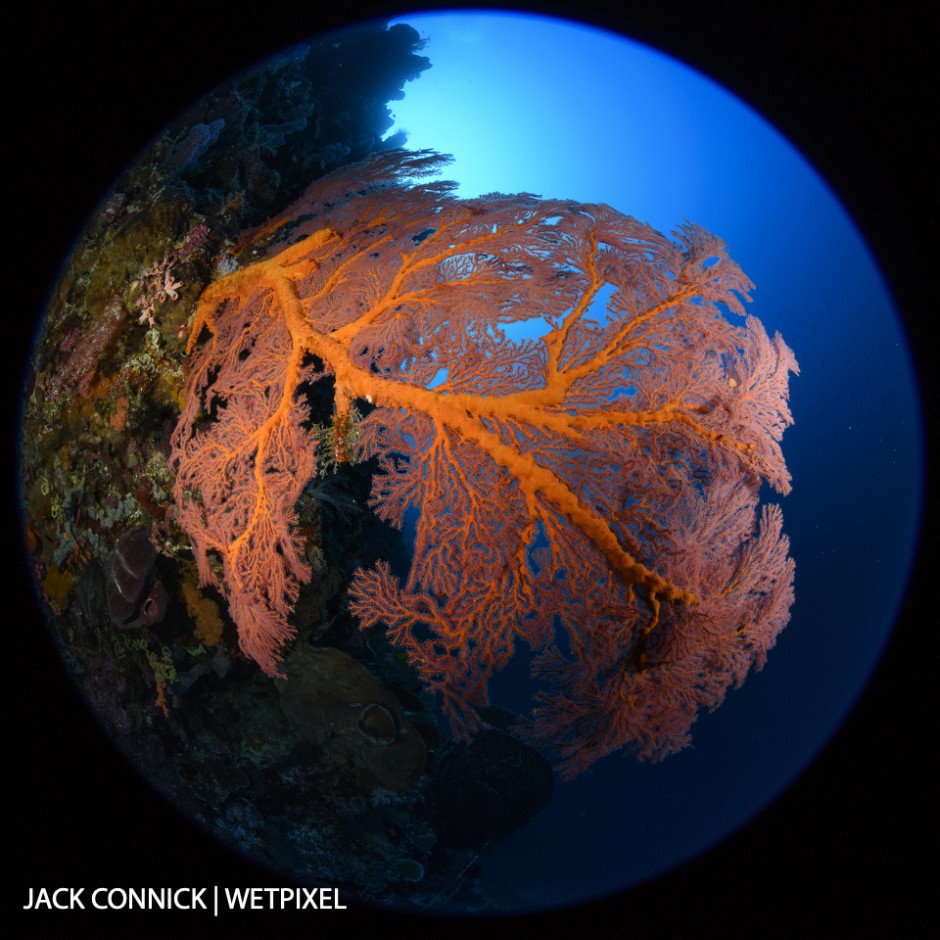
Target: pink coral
[157, 285]
[87, 348]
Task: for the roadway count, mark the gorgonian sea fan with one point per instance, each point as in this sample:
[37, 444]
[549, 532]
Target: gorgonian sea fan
[600, 481]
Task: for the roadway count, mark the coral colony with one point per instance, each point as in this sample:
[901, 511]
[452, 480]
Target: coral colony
[593, 491]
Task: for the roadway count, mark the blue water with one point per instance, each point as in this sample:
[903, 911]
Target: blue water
[661, 142]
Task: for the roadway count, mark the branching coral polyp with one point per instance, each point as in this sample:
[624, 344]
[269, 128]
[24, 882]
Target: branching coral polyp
[599, 481]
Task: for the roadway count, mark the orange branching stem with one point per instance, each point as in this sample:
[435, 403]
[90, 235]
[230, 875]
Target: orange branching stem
[554, 475]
